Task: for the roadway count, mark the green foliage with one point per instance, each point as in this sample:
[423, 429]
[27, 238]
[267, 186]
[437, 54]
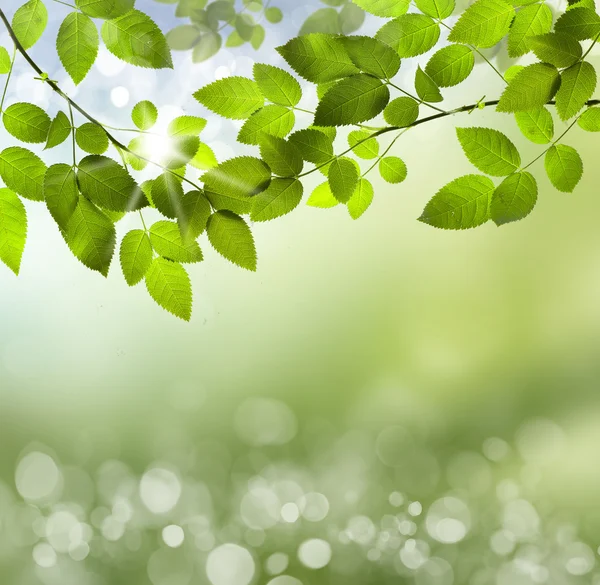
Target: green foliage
[535, 19]
[23, 172]
[29, 22]
[27, 122]
[372, 56]
[489, 150]
[77, 45]
[579, 23]
[578, 83]
[361, 199]
[590, 120]
[169, 285]
[558, 49]
[13, 229]
[135, 255]
[532, 87]
[483, 24]
[281, 197]
[59, 131]
[564, 167]
[450, 65]
[343, 178]
[392, 169]
[427, 89]
[387, 8]
[232, 97]
[514, 198]
[230, 236]
[277, 85]
[536, 125]
[91, 138]
[144, 115]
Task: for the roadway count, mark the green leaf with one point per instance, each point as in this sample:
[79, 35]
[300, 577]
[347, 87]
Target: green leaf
[135, 255]
[182, 150]
[135, 39]
[590, 120]
[386, 8]
[580, 23]
[323, 20]
[5, 61]
[558, 49]
[411, 34]
[282, 196]
[59, 130]
[322, 197]
[282, 157]
[450, 65]
[91, 236]
[313, 145]
[195, 213]
[271, 120]
[483, 24]
[427, 89]
[489, 150]
[277, 85]
[144, 115]
[351, 101]
[564, 167]
[186, 126]
[372, 56]
[91, 138]
[169, 285]
[104, 8]
[577, 87]
[531, 20]
[239, 177]
[436, 8]
[167, 195]
[27, 122]
[512, 72]
[232, 97]
[401, 112]
[107, 184]
[273, 14]
[536, 125]
[29, 23]
[61, 193]
[208, 46]
[392, 169]
[350, 18]
[231, 237]
[23, 172]
[221, 201]
[204, 158]
[13, 229]
[514, 198]
[166, 239]
[183, 37]
[531, 88]
[318, 57]
[363, 145]
[77, 45]
[361, 199]
[461, 204]
[258, 37]
[343, 178]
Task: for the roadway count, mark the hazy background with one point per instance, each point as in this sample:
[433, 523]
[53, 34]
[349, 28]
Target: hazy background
[349, 326]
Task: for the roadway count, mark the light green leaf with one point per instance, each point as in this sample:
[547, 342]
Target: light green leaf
[361, 199]
[281, 156]
[23, 172]
[167, 195]
[135, 255]
[313, 145]
[104, 8]
[536, 125]
[350, 18]
[411, 34]
[273, 14]
[204, 158]
[195, 213]
[514, 198]
[363, 145]
[231, 237]
[91, 236]
[322, 197]
[232, 97]
[277, 85]
[351, 101]
[436, 8]
[77, 45]
[166, 240]
[318, 57]
[489, 150]
[221, 201]
[29, 22]
[531, 88]
[5, 61]
[386, 8]
[169, 285]
[239, 177]
[450, 65]
[107, 184]
[144, 115]
[271, 120]
[512, 72]
[137, 40]
[61, 193]
[323, 20]
[208, 46]
[183, 37]
[531, 20]
[282, 196]
[590, 120]
[27, 122]
[392, 169]
[564, 167]
[426, 88]
[483, 24]
[461, 204]
[580, 23]
[182, 150]
[577, 87]
[91, 138]
[372, 56]
[401, 112]
[59, 130]
[258, 37]
[13, 229]
[186, 126]
[558, 49]
[343, 177]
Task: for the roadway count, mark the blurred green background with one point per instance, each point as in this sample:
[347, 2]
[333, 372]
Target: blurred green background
[367, 372]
